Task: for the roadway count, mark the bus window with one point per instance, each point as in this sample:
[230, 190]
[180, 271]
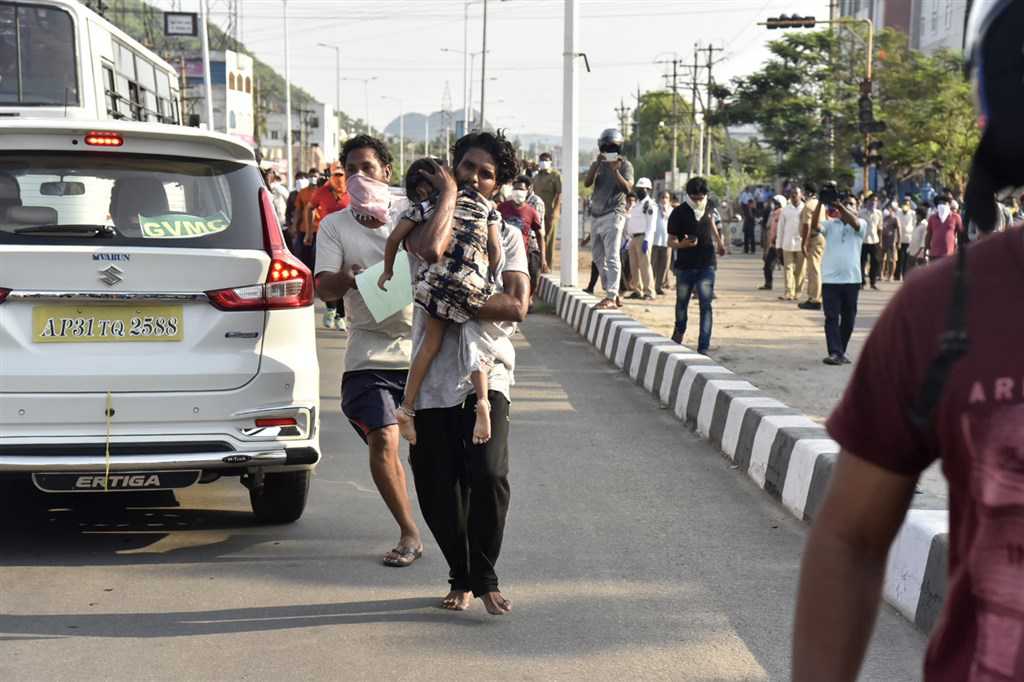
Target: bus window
[37, 56]
[8, 55]
[110, 92]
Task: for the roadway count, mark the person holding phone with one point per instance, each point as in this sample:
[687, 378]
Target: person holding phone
[696, 240]
[611, 175]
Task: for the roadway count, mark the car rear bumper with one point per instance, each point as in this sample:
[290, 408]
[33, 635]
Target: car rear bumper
[279, 459]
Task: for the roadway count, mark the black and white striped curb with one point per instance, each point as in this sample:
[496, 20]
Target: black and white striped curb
[786, 454]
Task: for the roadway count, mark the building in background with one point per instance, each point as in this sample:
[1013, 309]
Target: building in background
[316, 137]
[232, 82]
[932, 25]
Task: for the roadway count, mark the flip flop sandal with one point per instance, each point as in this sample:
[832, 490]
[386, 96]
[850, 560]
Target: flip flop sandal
[403, 556]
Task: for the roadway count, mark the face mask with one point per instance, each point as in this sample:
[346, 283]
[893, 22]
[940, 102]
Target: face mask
[518, 195]
[301, 184]
[698, 206]
[369, 197]
[943, 211]
[544, 165]
[641, 194]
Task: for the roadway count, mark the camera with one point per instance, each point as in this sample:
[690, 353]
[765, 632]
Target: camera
[829, 194]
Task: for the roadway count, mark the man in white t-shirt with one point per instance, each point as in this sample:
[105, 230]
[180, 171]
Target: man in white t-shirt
[871, 250]
[789, 242]
[907, 219]
[377, 353]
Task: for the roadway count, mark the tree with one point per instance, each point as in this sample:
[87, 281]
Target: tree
[930, 114]
[809, 89]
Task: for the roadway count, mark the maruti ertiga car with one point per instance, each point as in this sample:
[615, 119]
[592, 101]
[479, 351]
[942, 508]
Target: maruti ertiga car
[155, 332]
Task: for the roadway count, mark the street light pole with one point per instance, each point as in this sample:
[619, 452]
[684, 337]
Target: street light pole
[337, 76]
[465, 64]
[401, 134]
[287, 96]
[483, 73]
[569, 230]
[205, 40]
[366, 96]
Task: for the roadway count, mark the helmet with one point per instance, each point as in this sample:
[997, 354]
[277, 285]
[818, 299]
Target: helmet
[995, 64]
[643, 183]
[610, 136]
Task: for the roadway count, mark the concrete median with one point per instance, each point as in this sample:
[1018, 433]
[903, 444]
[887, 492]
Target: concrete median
[784, 452]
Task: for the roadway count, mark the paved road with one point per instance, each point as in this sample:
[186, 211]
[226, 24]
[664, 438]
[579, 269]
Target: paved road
[632, 551]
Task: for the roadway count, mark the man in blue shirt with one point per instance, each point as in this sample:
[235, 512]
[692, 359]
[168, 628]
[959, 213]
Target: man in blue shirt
[840, 273]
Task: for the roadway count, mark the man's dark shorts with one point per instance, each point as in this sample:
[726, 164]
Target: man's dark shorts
[371, 398]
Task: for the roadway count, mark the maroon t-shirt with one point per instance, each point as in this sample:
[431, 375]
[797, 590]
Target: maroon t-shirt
[943, 234]
[521, 216]
[978, 432]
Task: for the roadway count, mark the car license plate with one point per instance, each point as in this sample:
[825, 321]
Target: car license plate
[92, 482]
[106, 323]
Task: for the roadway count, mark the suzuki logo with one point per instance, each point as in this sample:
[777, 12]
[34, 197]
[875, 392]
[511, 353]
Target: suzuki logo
[111, 275]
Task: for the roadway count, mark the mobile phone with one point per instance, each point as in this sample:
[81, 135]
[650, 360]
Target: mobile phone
[611, 156]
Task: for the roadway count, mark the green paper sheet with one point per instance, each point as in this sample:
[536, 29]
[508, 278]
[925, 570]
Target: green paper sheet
[384, 304]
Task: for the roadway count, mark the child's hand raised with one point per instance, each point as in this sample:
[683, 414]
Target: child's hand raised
[385, 277]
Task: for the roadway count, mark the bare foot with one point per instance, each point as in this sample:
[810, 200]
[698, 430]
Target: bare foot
[496, 604]
[406, 424]
[482, 428]
[456, 600]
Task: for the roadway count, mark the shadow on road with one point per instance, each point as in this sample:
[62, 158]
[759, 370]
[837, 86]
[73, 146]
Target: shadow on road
[96, 529]
[225, 621]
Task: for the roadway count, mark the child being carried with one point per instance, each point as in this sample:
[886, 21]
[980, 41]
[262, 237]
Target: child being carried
[450, 291]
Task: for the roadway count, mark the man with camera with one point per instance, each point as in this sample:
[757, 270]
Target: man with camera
[842, 232]
[611, 175]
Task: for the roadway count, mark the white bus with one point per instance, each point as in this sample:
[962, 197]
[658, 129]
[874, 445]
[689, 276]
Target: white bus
[59, 59]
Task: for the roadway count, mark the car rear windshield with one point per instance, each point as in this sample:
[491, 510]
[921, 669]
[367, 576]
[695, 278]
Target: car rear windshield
[131, 200]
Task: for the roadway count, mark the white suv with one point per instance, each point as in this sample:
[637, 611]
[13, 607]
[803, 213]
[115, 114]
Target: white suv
[155, 332]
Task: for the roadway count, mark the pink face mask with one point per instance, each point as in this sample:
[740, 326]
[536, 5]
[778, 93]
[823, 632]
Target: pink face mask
[369, 197]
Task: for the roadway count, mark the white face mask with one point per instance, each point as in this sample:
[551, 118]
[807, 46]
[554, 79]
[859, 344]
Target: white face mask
[518, 195]
[301, 184]
[544, 165]
[943, 211]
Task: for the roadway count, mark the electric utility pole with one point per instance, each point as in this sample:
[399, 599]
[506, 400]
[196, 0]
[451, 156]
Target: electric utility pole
[676, 63]
[636, 122]
[707, 111]
[623, 113]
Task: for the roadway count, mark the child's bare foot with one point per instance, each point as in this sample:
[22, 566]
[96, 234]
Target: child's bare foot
[456, 600]
[406, 424]
[482, 429]
[496, 604]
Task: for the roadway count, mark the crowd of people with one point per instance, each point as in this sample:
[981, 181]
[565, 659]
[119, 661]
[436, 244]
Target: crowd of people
[893, 236]
[939, 377]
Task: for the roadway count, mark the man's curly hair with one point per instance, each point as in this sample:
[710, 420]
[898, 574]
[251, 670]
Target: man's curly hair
[495, 144]
[360, 141]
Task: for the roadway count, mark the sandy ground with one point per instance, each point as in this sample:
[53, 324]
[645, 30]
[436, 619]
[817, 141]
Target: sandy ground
[774, 344]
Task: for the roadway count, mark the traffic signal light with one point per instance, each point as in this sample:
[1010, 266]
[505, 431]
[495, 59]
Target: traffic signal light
[792, 21]
[865, 109]
[874, 155]
[857, 153]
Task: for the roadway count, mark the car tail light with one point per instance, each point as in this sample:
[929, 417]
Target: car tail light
[3, 294]
[289, 282]
[276, 421]
[103, 139]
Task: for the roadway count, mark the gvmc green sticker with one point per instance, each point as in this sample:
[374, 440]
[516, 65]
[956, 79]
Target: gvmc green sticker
[181, 226]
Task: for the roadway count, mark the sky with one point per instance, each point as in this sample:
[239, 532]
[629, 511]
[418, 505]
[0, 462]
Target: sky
[400, 42]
